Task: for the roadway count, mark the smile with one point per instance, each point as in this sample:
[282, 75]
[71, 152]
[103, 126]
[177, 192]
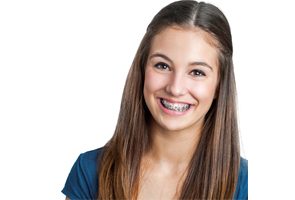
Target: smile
[179, 107]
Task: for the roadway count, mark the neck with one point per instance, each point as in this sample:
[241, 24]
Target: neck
[173, 147]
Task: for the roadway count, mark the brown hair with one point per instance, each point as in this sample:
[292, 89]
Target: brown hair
[214, 167]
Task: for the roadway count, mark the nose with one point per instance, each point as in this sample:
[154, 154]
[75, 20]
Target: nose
[176, 85]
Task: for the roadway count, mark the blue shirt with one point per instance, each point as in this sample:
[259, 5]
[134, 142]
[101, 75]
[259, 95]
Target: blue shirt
[82, 182]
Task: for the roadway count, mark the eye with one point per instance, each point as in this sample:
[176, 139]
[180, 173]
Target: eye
[162, 66]
[197, 72]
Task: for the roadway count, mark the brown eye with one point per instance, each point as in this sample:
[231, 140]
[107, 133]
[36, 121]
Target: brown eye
[162, 66]
[197, 72]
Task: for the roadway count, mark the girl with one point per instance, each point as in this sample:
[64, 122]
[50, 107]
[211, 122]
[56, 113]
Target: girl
[177, 134]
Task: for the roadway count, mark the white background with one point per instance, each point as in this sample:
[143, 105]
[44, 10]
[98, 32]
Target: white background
[63, 66]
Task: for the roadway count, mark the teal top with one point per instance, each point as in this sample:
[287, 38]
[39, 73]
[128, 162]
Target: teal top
[82, 181]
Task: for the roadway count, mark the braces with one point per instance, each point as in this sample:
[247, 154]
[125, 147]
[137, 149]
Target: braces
[177, 107]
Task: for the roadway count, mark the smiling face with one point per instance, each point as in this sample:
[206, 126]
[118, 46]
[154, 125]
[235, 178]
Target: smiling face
[181, 77]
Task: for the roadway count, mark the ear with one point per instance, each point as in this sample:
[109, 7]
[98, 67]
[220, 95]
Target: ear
[217, 89]
[216, 93]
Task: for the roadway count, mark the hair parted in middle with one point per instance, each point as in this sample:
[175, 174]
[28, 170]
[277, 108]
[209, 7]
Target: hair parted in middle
[213, 170]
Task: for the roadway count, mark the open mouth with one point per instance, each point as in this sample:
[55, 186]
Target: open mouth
[179, 107]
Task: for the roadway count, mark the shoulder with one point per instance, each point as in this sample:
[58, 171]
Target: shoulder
[243, 166]
[88, 162]
[90, 157]
[82, 181]
[242, 186]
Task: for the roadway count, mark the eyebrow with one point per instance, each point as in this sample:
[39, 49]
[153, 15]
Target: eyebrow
[192, 63]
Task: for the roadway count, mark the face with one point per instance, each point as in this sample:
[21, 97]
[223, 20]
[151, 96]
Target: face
[181, 77]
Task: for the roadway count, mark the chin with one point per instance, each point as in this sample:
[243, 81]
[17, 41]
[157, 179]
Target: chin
[173, 126]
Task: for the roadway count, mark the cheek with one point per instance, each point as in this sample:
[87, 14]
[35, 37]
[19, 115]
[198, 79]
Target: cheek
[152, 81]
[204, 92]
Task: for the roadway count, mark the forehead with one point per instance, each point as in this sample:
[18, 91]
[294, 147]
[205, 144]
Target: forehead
[186, 44]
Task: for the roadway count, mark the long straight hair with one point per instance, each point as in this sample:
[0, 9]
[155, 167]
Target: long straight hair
[214, 166]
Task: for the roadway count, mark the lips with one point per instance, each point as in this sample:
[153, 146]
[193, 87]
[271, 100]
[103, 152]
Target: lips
[175, 106]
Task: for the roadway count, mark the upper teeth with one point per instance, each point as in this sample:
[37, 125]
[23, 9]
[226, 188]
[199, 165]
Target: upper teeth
[180, 107]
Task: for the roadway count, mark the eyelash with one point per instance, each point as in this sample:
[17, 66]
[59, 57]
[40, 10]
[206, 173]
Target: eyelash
[161, 65]
[197, 72]
[164, 66]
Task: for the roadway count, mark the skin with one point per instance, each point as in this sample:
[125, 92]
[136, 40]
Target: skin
[182, 67]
